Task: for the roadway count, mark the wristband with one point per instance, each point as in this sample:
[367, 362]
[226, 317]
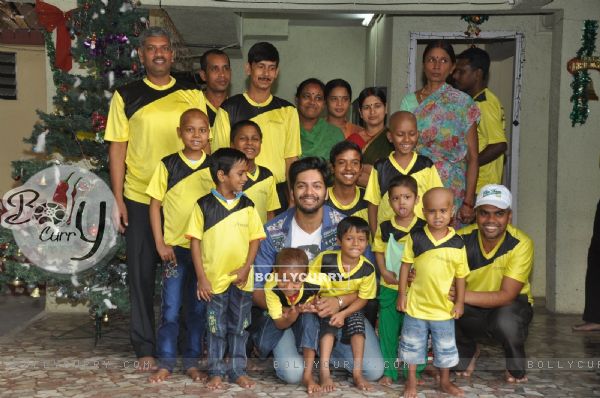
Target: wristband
[340, 302]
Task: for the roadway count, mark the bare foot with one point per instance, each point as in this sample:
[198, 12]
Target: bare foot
[245, 382]
[410, 388]
[327, 384]
[146, 364]
[432, 372]
[361, 383]
[215, 383]
[385, 381]
[587, 327]
[196, 375]
[159, 376]
[471, 368]
[309, 382]
[451, 388]
[512, 379]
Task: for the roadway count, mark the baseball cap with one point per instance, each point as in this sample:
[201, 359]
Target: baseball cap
[495, 195]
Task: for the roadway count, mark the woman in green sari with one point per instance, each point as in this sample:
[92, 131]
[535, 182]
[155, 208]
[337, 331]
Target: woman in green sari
[372, 140]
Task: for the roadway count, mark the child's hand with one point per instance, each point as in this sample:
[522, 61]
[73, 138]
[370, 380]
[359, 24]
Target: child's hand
[412, 274]
[389, 277]
[401, 302]
[165, 252]
[307, 307]
[241, 276]
[204, 290]
[337, 320]
[458, 310]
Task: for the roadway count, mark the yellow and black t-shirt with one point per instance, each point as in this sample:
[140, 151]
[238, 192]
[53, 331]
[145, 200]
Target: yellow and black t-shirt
[359, 279]
[512, 257]
[178, 182]
[437, 263]
[226, 231]
[211, 112]
[421, 168]
[278, 121]
[490, 131]
[358, 207]
[388, 229]
[277, 300]
[146, 116]
[260, 187]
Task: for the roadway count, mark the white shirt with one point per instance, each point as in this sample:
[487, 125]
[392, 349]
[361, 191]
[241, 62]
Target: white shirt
[310, 243]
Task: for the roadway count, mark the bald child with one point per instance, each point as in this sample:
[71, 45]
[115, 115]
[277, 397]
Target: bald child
[439, 258]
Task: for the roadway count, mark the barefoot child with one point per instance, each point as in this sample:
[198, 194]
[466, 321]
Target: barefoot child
[403, 161]
[225, 231]
[345, 196]
[260, 187]
[388, 246]
[179, 180]
[289, 296]
[439, 257]
[349, 272]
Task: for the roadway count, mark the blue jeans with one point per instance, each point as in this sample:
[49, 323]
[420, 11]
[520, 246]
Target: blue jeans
[228, 316]
[413, 343]
[179, 284]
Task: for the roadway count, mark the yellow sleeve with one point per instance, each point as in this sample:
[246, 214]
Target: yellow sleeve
[273, 304]
[368, 287]
[491, 123]
[520, 263]
[222, 131]
[272, 197]
[117, 124]
[195, 227]
[378, 244]
[408, 256]
[462, 265]
[292, 144]
[373, 191]
[255, 225]
[157, 188]
[320, 279]
[315, 265]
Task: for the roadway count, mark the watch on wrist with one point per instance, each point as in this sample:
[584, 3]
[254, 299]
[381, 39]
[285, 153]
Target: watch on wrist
[340, 302]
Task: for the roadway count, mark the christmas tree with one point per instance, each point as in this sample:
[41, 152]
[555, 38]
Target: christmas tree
[102, 39]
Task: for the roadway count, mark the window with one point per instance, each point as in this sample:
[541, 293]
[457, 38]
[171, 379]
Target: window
[8, 76]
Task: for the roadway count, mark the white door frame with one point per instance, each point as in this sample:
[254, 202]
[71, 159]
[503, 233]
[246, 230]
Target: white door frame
[513, 171]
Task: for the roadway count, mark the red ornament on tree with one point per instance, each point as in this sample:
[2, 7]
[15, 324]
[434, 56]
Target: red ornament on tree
[98, 122]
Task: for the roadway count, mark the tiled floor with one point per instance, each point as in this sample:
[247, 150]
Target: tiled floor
[55, 356]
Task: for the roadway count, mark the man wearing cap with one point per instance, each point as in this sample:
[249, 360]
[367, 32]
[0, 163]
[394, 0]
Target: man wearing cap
[498, 301]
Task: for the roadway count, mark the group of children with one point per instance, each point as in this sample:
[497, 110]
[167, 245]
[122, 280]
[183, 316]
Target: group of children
[214, 209]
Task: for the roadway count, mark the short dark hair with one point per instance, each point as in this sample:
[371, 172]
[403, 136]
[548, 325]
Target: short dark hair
[352, 222]
[308, 163]
[403, 181]
[378, 92]
[223, 159]
[263, 51]
[213, 51]
[335, 83]
[342, 147]
[444, 45]
[477, 59]
[291, 256]
[240, 125]
[310, 80]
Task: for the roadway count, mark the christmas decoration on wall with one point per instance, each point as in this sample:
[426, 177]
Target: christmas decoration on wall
[73, 134]
[474, 21]
[51, 17]
[583, 90]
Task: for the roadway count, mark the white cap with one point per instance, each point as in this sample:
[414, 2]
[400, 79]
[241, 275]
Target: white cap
[495, 195]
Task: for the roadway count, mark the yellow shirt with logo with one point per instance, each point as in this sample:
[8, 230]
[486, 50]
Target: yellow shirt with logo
[490, 131]
[277, 300]
[146, 116]
[512, 257]
[390, 229]
[421, 168]
[358, 207]
[361, 278]
[278, 121]
[226, 231]
[437, 263]
[260, 187]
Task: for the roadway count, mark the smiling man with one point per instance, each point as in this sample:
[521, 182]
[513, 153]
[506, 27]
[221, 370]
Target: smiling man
[277, 118]
[498, 300]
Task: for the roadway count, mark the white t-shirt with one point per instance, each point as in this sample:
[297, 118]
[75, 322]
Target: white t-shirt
[310, 243]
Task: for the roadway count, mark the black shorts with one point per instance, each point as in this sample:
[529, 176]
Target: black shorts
[353, 324]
